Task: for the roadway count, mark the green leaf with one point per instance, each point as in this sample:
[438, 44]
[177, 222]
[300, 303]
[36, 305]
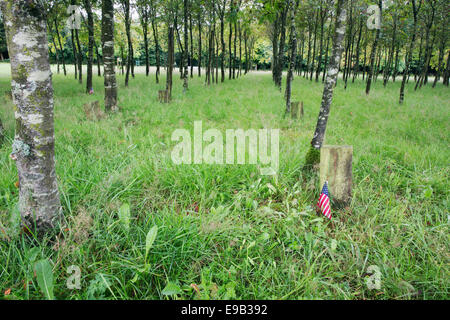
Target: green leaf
[428, 192]
[151, 236]
[32, 254]
[124, 216]
[171, 289]
[44, 276]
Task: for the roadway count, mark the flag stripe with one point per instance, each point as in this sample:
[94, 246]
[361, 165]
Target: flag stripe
[324, 202]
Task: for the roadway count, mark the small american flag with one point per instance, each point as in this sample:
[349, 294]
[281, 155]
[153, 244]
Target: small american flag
[324, 201]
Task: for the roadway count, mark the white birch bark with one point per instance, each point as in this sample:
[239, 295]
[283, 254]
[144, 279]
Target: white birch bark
[32, 91]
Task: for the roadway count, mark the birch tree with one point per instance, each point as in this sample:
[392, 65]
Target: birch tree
[221, 12]
[186, 46]
[330, 82]
[143, 9]
[153, 7]
[108, 55]
[373, 53]
[280, 60]
[126, 10]
[409, 53]
[293, 54]
[34, 142]
[90, 26]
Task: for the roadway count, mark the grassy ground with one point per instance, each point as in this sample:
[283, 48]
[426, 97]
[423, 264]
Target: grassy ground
[230, 231]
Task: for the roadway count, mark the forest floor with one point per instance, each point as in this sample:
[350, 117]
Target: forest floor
[225, 231]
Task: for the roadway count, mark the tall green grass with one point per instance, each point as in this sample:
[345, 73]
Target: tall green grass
[225, 228]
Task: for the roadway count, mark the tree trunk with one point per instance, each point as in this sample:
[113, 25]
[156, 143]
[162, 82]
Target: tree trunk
[216, 55]
[373, 53]
[191, 52]
[34, 142]
[229, 47]
[395, 71]
[308, 58]
[280, 60]
[356, 66]
[377, 66]
[314, 46]
[180, 48]
[74, 51]
[186, 47]
[234, 48]
[387, 71]
[56, 48]
[293, 53]
[364, 61]
[275, 31]
[157, 52]
[245, 52]
[199, 44]
[144, 24]
[60, 47]
[428, 49]
[332, 74]
[447, 71]
[122, 58]
[126, 8]
[322, 22]
[326, 55]
[99, 73]
[170, 59]
[88, 7]
[240, 49]
[222, 41]
[80, 58]
[349, 50]
[441, 53]
[108, 55]
[408, 57]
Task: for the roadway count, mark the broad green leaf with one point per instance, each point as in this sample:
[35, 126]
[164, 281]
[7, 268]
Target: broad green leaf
[32, 254]
[171, 289]
[44, 276]
[151, 236]
[124, 216]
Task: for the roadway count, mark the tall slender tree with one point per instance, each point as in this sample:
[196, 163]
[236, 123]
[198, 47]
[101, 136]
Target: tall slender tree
[293, 53]
[90, 25]
[280, 60]
[108, 55]
[126, 10]
[58, 36]
[409, 53]
[143, 9]
[428, 45]
[330, 82]
[200, 53]
[221, 12]
[186, 45]
[34, 143]
[154, 5]
[170, 60]
[374, 52]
